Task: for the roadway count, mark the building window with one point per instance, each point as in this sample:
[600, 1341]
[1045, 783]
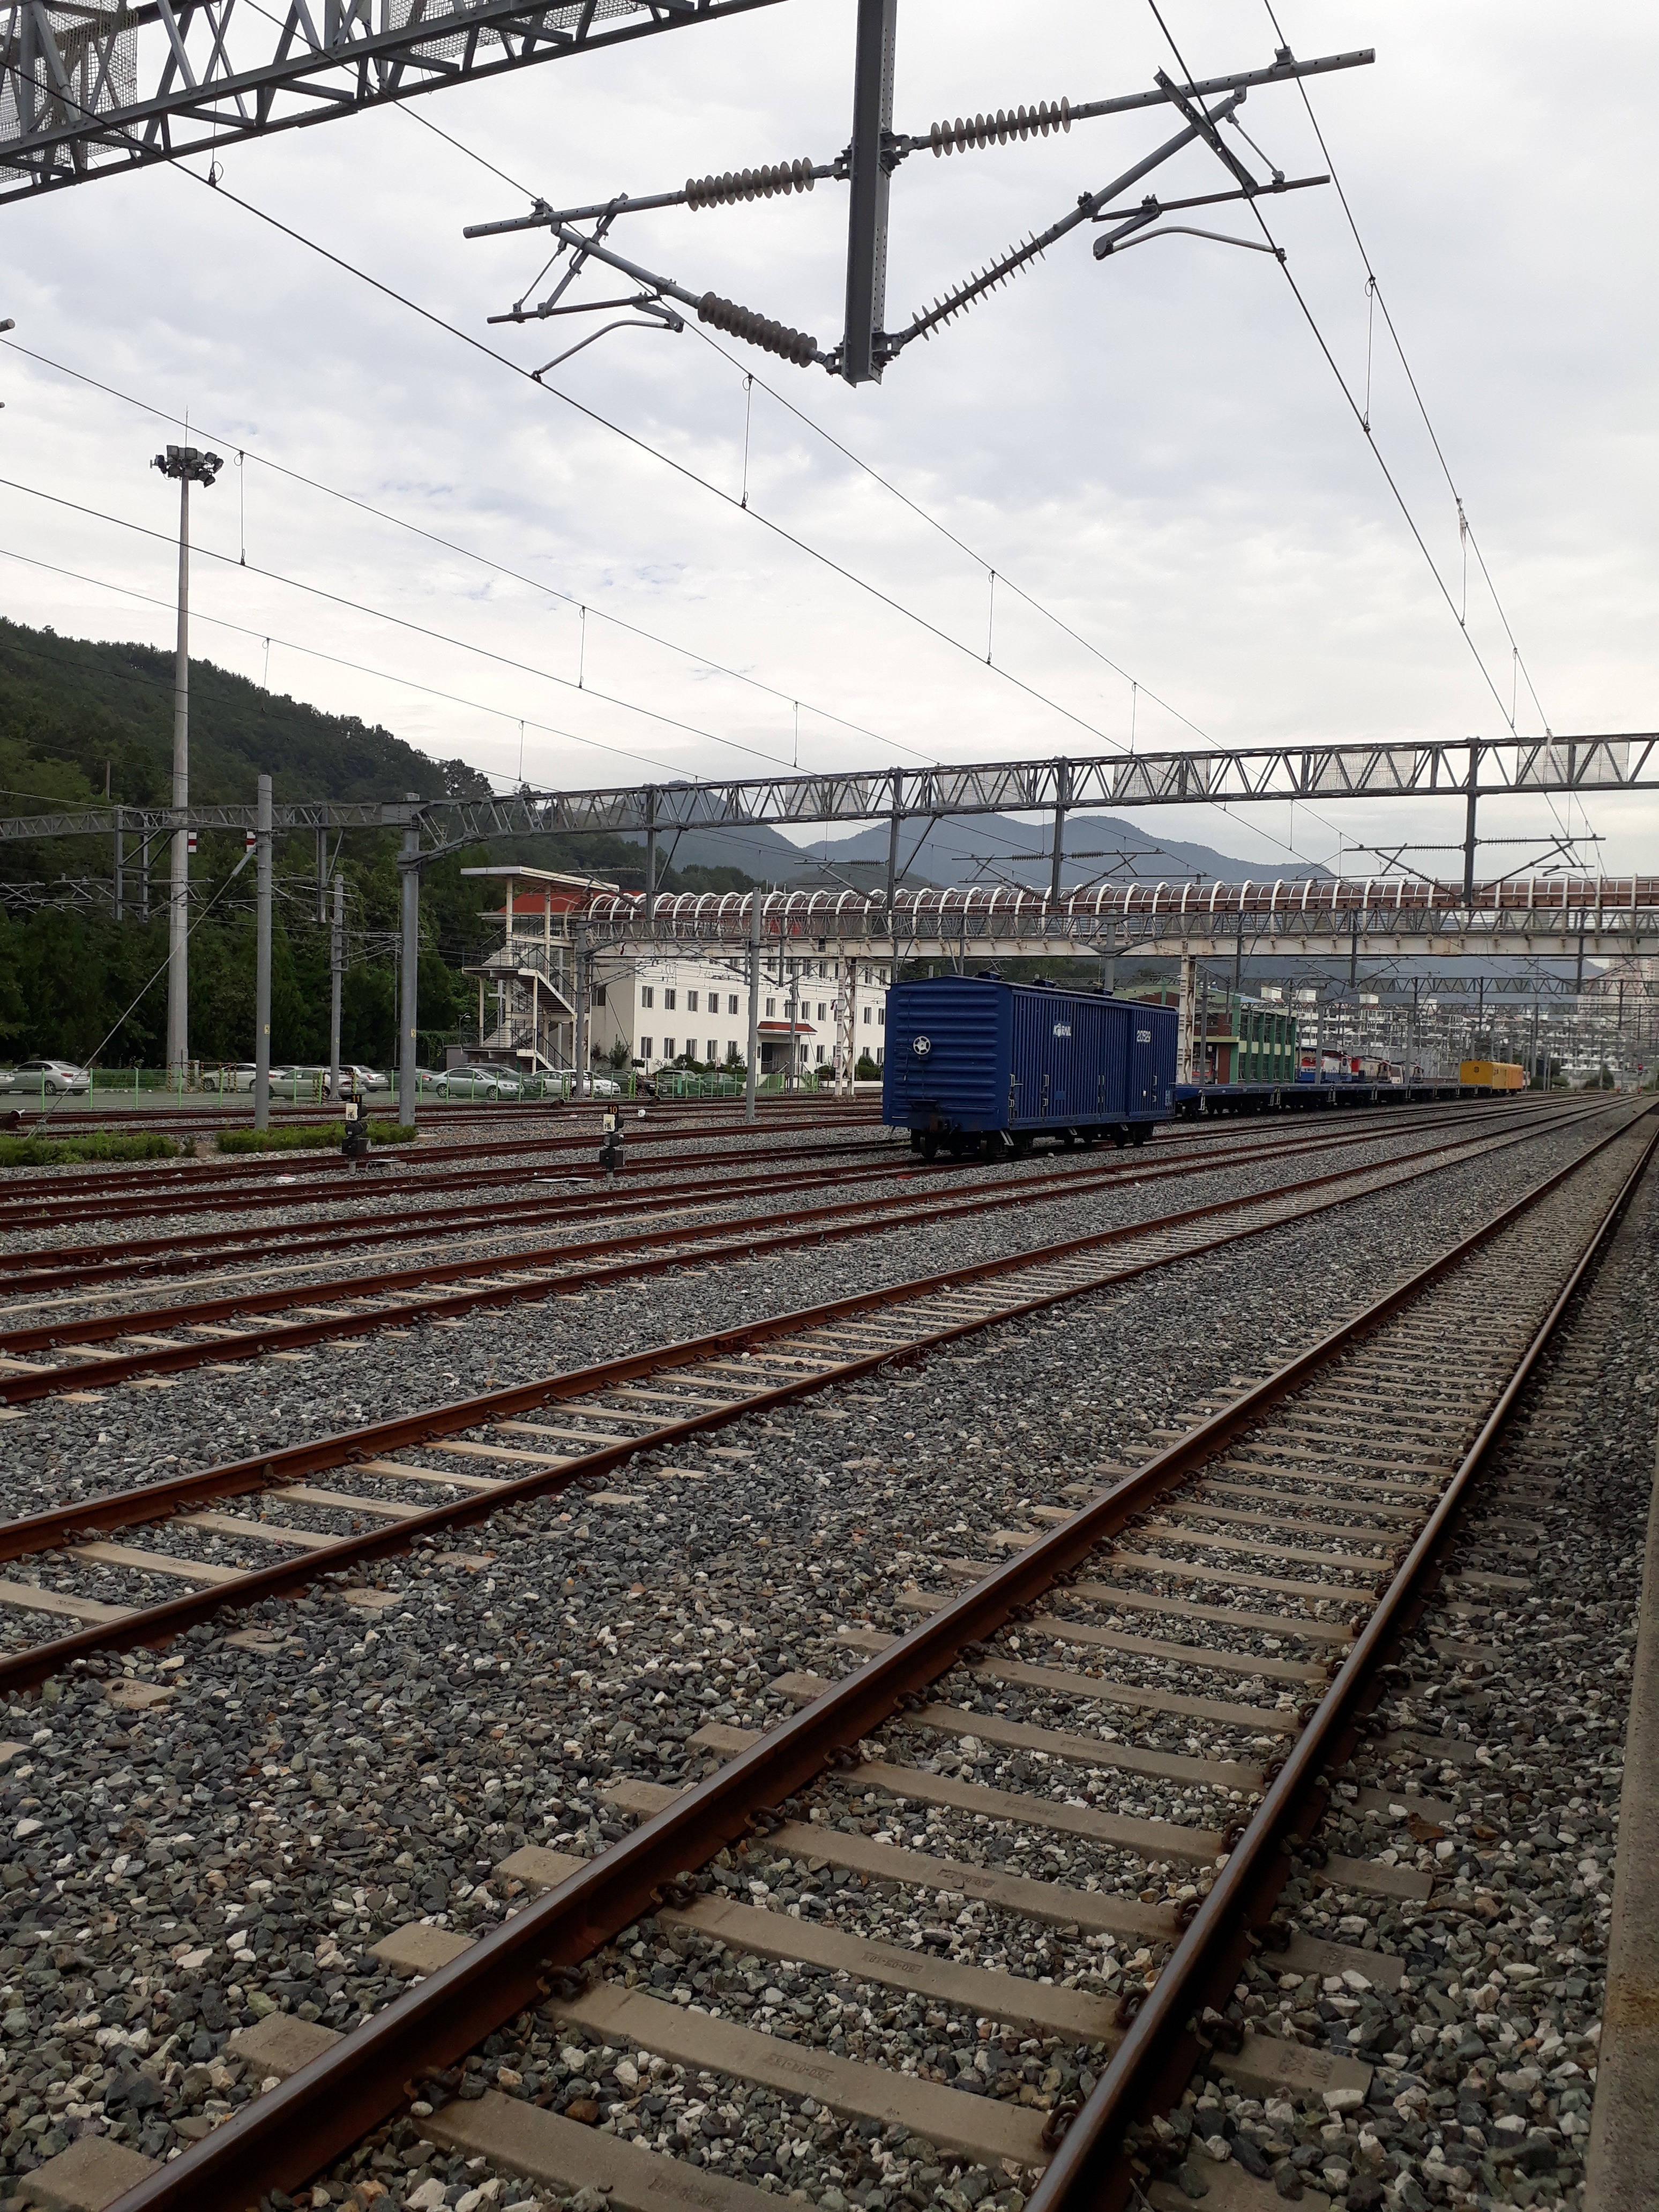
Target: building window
[668, 1048]
[714, 1050]
[690, 1002]
[645, 1048]
[732, 1002]
[598, 994]
[866, 1018]
[881, 1018]
[820, 1055]
[771, 1008]
[668, 1001]
[820, 1010]
[648, 997]
[881, 1054]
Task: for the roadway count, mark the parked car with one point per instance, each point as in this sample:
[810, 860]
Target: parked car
[299, 1082]
[52, 1076]
[354, 1077]
[600, 1086]
[234, 1075]
[476, 1082]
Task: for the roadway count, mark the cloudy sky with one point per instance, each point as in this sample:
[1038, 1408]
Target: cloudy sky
[1153, 449]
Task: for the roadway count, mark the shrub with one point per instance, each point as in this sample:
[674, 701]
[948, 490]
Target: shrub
[65, 1151]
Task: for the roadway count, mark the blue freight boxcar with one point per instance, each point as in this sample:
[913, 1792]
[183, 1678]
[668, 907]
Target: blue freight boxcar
[976, 1064]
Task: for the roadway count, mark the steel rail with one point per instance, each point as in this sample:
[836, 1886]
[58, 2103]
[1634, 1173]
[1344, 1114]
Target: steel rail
[71, 1266]
[232, 1168]
[1043, 1184]
[1089, 2167]
[62, 1266]
[293, 2131]
[89, 1519]
[199, 1198]
[744, 1238]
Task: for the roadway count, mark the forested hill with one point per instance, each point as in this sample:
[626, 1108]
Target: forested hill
[73, 712]
[78, 718]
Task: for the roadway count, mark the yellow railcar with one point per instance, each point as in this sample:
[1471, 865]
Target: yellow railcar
[1492, 1075]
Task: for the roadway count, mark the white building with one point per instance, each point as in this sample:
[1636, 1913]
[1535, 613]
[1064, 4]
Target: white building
[663, 1008]
[816, 1014]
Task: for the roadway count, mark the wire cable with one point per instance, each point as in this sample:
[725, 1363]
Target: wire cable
[1360, 416]
[420, 629]
[213, 183]
[467, 552]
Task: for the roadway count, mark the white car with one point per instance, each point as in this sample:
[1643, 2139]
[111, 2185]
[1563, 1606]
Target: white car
[355, 1078]
[599, 1087]
[52, 1076]
[476, 1082]
[234, 1075]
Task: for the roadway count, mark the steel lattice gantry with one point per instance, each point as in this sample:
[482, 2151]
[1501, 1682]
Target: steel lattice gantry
[1462, 768]
[89, 90]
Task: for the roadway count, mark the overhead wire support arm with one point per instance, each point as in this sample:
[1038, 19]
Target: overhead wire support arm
[946, 137]
[873, 152]
[797, 346]
[1020, 257]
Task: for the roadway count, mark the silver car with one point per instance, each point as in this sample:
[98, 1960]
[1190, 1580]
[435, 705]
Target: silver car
[52, 1076]
[476, 1082]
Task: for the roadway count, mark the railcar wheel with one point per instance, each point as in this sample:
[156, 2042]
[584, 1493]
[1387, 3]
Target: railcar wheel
[1022, 1143]
[930, 1147]
[1138, 1135]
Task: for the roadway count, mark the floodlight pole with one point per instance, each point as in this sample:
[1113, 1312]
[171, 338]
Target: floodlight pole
[188, 465]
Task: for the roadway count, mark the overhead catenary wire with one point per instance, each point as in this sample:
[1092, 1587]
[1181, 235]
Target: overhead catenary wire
[467, 552]
[315, 652]
[993, 575]
[1360, 415]
[404, 622]
[214, 182]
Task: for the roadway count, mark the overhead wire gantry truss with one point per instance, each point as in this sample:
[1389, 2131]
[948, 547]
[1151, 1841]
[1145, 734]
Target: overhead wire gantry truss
[89, 90]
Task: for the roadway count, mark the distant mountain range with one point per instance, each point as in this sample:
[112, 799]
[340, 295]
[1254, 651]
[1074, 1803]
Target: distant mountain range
[968, 849]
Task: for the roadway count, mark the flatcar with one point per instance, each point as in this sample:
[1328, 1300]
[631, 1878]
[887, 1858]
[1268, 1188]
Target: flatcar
[976, 1064]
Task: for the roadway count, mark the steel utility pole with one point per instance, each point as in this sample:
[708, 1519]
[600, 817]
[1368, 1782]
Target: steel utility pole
[407, 1013]
[336, 969]
[755, 900]
[187, 465]
[262, 964]
[869, 175]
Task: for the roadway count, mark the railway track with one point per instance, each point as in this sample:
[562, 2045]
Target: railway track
[1162, 1670]
[591, 1422]
[270, 1179]
[168, 1339]
[179, 1189]
[171, 1339]
[55, 1268]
